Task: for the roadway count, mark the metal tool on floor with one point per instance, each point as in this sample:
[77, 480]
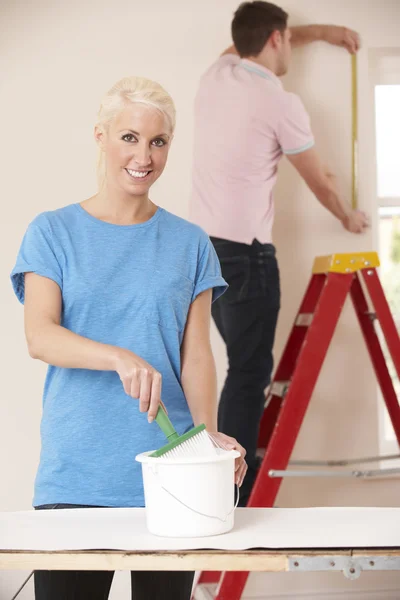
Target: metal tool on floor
[334, 278]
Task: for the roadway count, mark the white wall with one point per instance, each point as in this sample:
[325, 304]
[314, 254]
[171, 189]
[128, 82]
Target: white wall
[57, 59]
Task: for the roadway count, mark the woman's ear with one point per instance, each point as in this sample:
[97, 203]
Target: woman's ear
[99, 136]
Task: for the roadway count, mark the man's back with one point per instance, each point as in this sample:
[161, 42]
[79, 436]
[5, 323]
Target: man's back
[244, 121]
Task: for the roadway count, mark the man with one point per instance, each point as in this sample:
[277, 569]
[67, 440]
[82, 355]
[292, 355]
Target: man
[244, 123]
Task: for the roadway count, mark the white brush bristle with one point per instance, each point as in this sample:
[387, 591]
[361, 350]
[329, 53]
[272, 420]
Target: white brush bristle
[199, 445]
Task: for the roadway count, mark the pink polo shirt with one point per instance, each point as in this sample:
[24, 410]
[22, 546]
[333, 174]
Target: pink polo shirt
[244, 122]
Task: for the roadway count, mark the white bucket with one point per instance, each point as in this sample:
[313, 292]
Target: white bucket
[189, 497]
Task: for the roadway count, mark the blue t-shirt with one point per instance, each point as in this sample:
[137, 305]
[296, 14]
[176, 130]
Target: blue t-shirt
[126, 285]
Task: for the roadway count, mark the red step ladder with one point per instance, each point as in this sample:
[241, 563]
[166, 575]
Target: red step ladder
[333, 278]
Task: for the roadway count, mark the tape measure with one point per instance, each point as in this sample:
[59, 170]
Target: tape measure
[354, 134]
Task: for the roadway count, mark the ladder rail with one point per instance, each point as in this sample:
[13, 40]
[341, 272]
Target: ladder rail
[295, 402]
[355, 474]
[375, 349]
[333, 292]
[384, 315]
[344, 461]
[287, 363]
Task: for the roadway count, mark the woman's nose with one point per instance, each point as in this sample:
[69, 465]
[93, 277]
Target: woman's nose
[142, 155]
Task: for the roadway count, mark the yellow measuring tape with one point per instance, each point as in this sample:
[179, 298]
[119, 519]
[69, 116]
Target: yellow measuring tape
[354, 136]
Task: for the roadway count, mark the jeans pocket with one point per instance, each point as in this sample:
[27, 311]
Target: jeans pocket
[236, 272]
[268, 275]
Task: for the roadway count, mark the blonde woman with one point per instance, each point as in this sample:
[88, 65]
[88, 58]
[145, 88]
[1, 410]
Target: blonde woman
[117, 294]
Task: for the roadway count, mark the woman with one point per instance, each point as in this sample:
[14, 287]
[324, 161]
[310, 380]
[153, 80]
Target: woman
[117, 294]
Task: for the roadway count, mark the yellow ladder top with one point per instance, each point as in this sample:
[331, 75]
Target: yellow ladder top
[346, 263]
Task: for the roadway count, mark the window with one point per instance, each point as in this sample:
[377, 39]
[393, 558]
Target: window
[387, 119]
[389, 254]
[385, 75]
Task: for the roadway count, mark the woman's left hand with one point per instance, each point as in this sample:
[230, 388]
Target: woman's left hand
[229, 443]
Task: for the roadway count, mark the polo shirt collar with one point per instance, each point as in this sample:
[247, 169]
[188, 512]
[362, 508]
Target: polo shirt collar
[254, 67]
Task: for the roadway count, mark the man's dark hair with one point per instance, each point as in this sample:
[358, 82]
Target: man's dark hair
[253, 24]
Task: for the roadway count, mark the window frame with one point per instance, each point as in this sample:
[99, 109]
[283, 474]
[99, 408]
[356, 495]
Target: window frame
[384, 69]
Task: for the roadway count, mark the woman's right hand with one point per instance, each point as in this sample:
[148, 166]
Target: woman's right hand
[140, 381]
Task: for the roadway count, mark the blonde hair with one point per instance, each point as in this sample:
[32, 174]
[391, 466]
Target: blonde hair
[132, 89]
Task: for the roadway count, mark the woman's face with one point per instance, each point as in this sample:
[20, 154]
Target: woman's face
[136, 146]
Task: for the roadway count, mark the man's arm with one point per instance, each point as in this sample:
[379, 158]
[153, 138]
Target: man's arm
[332, 34]
[322, 183]
[230, 50]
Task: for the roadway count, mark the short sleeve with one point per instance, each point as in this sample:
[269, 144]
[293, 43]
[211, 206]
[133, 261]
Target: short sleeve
[294, 129]
[208, 273]
[36, 255]
[230, 58]
[225, 60]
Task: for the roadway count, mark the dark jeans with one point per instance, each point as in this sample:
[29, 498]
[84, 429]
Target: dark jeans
[95, 585]
[246, 317]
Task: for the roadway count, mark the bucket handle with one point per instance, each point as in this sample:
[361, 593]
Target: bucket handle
[203, 514]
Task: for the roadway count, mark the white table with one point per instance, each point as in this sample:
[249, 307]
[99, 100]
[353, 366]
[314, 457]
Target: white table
[311, 539]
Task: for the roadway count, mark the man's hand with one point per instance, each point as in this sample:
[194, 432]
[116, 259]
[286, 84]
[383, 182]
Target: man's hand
[341, 36]
[356, 222]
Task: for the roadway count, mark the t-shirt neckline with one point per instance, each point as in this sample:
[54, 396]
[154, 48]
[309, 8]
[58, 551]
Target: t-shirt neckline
[133, 226]
[258, 69]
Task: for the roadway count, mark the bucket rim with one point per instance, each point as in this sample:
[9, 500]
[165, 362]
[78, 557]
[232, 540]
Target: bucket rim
[145, 458]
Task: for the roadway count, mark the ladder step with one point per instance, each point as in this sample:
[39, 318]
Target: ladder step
[304, 319]
[278, 388]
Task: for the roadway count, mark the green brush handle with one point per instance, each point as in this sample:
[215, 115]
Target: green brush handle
[165, 425]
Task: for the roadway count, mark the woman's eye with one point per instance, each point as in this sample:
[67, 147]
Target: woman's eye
[159, 142]
[128, 137]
